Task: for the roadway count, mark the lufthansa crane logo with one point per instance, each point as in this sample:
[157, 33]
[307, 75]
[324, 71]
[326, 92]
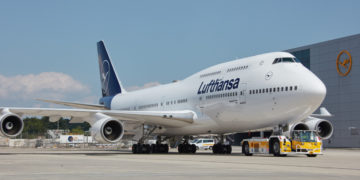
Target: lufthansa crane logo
[343, 63]
[105, 75]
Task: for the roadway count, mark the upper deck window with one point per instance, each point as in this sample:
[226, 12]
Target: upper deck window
[286, 59]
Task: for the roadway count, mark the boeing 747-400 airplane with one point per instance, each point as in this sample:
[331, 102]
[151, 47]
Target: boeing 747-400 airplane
[267, 90]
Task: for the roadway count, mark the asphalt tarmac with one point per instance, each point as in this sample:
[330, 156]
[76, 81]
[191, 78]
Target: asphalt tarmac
[68, 164]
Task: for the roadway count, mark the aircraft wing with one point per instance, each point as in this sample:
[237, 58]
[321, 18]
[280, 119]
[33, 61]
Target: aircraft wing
[163, 118]
[75, 105]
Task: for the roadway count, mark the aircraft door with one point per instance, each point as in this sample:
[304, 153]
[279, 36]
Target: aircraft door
[242, 93]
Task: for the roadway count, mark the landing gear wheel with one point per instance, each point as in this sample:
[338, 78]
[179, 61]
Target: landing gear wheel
[276, 148]
[141, 149]
[246, 149]
[193, 148]
[159, 148]
[180, 148]
[134, 148]
[187, 148]
[228, 149]
[311, 155]
[221, 149]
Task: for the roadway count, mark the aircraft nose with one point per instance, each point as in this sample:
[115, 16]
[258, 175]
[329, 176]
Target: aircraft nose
[316, 90]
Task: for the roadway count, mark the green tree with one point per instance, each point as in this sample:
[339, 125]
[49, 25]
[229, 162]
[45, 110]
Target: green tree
[34, 126]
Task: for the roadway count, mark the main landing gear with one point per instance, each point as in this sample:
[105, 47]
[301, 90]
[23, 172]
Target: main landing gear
[186, 148]
[221, 147]
[147, 148]
[141, 148]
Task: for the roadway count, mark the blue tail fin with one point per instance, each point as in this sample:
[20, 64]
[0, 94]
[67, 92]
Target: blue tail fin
[110, 84]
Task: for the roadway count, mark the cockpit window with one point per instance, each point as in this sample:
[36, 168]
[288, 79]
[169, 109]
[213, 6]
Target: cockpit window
[297, 60]
[286, 59]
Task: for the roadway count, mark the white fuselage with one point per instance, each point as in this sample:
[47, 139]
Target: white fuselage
[236, 96]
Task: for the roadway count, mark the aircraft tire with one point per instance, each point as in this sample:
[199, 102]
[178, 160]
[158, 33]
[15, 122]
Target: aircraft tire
[134, 148]
[228, 149]
[193, 148]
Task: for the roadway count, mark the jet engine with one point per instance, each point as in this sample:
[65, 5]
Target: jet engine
[299, 126]
[107, 130]
[11, 124]
[322, 127]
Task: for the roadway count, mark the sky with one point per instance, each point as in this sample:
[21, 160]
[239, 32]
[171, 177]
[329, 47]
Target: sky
[48, 48]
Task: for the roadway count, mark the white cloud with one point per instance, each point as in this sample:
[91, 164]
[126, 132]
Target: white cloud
[146, 85]
[53, 85]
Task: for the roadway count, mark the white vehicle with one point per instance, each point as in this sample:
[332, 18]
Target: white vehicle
[204, 143]
[268, 90]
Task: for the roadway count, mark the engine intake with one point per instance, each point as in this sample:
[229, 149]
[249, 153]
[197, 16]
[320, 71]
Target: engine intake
[11, 125]
[107, 130]
[299, 126]
[322, 127]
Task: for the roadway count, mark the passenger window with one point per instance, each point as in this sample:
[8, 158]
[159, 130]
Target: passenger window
[270, 89]
[267, 90]
[278, 89]
[290, 88]
[286, 88]
[282, 88]
[274, 89]
[295, 88]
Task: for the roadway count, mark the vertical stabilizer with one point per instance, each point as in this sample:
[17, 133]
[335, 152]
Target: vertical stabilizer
[110, 84]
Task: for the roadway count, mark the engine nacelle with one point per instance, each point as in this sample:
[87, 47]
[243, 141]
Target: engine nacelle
[322, 127]
[11, 125]
[296, 126]
[107, 130]
[299, 126]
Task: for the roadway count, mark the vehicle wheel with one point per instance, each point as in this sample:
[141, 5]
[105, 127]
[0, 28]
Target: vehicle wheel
[246, 149]
[311, 155]
[276, 148]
